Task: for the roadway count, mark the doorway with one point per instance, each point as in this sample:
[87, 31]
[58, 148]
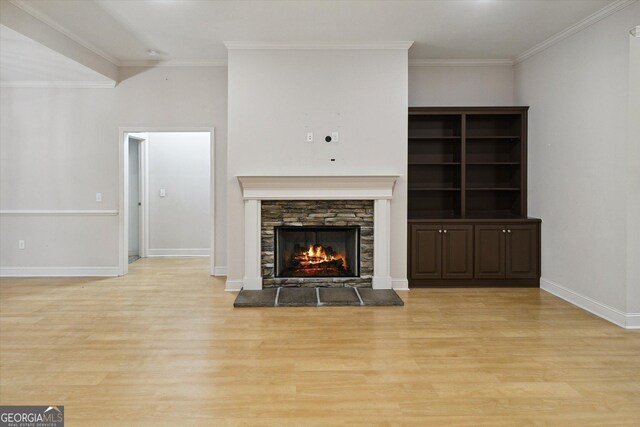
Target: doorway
[136, 218]
[166, 194]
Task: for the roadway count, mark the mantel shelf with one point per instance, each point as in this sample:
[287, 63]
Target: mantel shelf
[308, 187]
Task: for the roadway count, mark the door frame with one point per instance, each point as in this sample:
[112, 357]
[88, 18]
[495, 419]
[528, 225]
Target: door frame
[123, 190]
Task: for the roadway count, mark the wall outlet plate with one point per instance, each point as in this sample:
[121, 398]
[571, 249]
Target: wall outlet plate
[335, 136]
[21, 244]
[309, 136]
[98, 197]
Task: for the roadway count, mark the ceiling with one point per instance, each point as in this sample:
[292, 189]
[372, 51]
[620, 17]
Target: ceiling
[192, 32]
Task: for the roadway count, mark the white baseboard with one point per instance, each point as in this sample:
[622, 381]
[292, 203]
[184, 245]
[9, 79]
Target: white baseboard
[59, 271]
[400, 284]
[613, 315]
[633, 320]
[134, 252]
[178, 252]
[220, 271]
[233, 285]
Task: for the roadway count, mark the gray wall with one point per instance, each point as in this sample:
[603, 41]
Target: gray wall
[438, 86]
[273, 94]
[579, 183]
[179, 223]
[58, 147]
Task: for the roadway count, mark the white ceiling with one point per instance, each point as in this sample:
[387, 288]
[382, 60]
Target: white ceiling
[24, 60]
[190, 31]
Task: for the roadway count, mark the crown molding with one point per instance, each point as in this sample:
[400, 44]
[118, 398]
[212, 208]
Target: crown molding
[172, 63]
[460, 62]
[575, 28]
[58, 84]
[26, 7]
[399, 45]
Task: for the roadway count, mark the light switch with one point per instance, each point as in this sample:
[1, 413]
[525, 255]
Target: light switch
[163, 192]
[21, 244]
[98, 197]
[335, 136]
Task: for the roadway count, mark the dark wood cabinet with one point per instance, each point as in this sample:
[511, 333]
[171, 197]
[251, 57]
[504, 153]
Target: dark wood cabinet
[441, 251]
[521, 252]
[474, 252]
[506, 251]
[489, 251]
[467, 198]
[457, 252]
[426, 252]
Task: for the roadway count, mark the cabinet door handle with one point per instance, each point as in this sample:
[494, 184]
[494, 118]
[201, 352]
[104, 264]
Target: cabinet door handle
[445, 231]
[439, 231]
[508, 231]
[504, 231]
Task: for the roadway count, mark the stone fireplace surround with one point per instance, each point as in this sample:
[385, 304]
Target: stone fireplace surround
[256, 189]
[316, 213]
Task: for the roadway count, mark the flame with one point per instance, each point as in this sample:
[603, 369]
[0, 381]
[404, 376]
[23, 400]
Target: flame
[316, 254]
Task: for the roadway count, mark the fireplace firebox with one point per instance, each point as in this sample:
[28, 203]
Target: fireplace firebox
[317, 251]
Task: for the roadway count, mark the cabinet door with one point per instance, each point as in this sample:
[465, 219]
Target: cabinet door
[426, 252]
[457, 252]
[522, 252]
[489, 259]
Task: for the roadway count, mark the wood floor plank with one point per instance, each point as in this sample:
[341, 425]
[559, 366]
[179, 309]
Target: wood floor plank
[164, 346]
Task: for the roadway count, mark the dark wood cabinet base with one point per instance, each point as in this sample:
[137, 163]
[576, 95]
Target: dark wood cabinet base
[474, 283]
[474, 253]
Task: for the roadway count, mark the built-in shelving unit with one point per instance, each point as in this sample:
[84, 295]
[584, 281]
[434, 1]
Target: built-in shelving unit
[466, 163]
[467, 203]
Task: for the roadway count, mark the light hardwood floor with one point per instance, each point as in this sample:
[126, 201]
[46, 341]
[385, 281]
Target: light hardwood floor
[164, 346]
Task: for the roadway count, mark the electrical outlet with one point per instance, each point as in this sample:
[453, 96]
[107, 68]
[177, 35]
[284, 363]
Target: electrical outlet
[309, 136]
[163, 192]
[98, 197]
[21, 244]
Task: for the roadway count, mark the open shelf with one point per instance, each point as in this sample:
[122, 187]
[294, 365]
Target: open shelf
[493, 125]
[467, 163]
[493, 189]
[430, 138]
[418, 163]
[436, 126]
[495, 137]
[494, 163]
[434, 189]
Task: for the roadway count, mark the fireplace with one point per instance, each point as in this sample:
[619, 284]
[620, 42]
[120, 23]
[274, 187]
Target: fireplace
[317, 251]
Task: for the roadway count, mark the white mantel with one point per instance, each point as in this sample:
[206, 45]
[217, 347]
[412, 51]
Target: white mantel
[378, 188]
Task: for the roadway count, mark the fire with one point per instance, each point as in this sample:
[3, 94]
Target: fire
[318, 256]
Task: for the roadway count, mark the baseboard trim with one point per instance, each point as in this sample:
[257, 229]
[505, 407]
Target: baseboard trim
[233, 285]
[220, 271]
[59, 271]
[178, 252]
[400, 284]
[613, 315]
[633, 321]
